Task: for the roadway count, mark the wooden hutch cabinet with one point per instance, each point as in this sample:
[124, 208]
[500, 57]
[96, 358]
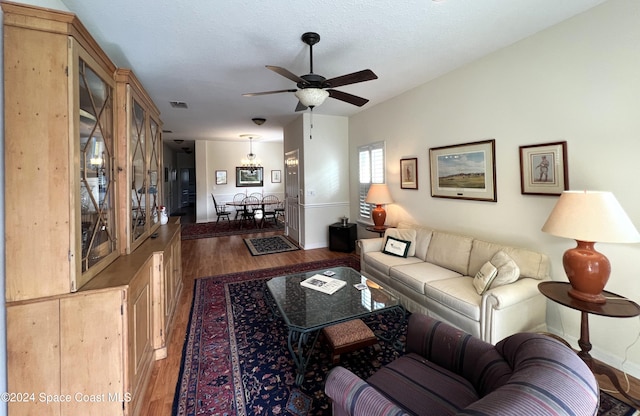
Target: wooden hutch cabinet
[89, 295]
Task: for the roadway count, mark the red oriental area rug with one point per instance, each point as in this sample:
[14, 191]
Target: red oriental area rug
[224, 228]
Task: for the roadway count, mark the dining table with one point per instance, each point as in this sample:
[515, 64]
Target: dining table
[243, 205]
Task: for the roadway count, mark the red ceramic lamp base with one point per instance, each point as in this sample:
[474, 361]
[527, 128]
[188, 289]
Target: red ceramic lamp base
[379, 215]
[588, 272]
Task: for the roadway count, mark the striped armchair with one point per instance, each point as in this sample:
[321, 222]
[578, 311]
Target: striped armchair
[449, 372]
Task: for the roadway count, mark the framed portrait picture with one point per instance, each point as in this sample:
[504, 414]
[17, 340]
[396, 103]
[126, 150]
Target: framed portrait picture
[464, 171]
[409, 173]
[276, 176]
[544, 169]
[248, 176]
[221, 177]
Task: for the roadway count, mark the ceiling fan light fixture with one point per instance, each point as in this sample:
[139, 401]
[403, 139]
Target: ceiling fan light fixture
[312, 97]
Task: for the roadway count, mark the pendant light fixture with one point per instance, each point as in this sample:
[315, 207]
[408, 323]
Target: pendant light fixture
[251, 160]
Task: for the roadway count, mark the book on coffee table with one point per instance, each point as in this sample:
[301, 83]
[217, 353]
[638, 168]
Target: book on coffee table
[323, 284]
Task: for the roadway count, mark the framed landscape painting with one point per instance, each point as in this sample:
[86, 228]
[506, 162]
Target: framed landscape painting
[464, 171]
[544, 169]
[248, 176]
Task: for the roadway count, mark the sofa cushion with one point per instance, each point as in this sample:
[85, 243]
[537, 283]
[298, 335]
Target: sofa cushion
[531, 263]
[406, 234]
[381, 262]
[396, 247]
[484, 277]
[423, 238]
[415, 275]
[508, 270]
[450, 251]
[457, 294]
[422, 387]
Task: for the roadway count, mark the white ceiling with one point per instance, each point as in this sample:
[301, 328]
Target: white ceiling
[208, 53]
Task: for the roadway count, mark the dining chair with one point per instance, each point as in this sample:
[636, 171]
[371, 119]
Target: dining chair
[237, 198]
[259, 196]
[269, 204]
[251, 207]
[280, 211]
[221, 210]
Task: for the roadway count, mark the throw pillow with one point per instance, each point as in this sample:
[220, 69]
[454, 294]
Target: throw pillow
[484, 277]
[396, 247]
[407, 234]
[508, 270]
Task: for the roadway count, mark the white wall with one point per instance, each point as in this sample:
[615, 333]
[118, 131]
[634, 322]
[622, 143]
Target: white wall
[222, 155]
[325, 176]
[577, 81]
[324, 173]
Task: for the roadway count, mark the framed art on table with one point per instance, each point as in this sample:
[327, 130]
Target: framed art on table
[464, 171]
[409, 173]
[544, 169]
[221, 177]
[248, 176]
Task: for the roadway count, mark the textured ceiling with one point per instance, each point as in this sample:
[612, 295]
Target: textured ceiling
[208, 53]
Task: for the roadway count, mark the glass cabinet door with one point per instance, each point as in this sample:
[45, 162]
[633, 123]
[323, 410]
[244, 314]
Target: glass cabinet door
[97, 187]
[155, 184]
[137, 147]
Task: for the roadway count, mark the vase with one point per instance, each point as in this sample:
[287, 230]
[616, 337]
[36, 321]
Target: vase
[164, 218]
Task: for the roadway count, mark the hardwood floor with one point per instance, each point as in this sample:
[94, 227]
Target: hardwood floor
[202, 258]
[212, 256]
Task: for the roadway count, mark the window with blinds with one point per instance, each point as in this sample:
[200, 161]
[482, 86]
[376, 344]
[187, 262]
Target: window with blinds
[371, 170]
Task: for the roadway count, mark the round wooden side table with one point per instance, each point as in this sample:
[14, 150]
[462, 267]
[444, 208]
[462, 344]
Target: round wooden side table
[616, 306]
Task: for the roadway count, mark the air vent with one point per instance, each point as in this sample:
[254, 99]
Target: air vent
[178, 104]
[167, 131]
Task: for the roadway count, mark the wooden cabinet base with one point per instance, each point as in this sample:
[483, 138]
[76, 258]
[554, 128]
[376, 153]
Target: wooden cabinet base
[97, 347]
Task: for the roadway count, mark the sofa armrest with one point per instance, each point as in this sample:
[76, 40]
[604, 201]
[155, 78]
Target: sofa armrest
[370, 244]
[504, 296]
[516, 307]
[353, 396]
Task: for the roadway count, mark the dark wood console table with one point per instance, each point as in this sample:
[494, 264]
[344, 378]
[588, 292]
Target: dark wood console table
[616, 306]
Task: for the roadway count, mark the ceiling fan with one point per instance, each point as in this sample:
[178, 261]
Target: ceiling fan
[313, 89]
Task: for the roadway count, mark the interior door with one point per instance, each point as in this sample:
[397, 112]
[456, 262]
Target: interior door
[292, 196]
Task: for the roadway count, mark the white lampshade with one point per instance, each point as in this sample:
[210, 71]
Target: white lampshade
[591, 216]
[312, 97]
[378, 194]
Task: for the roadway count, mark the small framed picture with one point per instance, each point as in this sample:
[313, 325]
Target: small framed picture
[544, 169]
[221, 177]
[276, 176]
[409, 173]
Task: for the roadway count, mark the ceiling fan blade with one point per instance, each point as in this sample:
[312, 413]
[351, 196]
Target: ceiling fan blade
[347, 98]
[286, 73]
[253, 94]
[360, 76]
[301, 107]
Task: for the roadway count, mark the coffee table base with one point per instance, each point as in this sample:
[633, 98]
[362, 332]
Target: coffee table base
[298, 341]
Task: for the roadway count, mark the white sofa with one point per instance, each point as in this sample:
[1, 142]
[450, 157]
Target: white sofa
[436, 278]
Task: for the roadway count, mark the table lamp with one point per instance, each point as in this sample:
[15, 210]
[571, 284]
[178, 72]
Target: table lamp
[379, 195]
[589, 217]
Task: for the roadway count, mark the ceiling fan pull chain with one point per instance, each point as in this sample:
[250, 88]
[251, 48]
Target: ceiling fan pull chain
[311, 122]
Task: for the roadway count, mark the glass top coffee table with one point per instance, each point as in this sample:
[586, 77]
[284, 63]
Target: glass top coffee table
[306, 311]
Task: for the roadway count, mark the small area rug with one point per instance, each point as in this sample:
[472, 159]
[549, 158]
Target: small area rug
[235, 359]
[223, 228]
[269, 245]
